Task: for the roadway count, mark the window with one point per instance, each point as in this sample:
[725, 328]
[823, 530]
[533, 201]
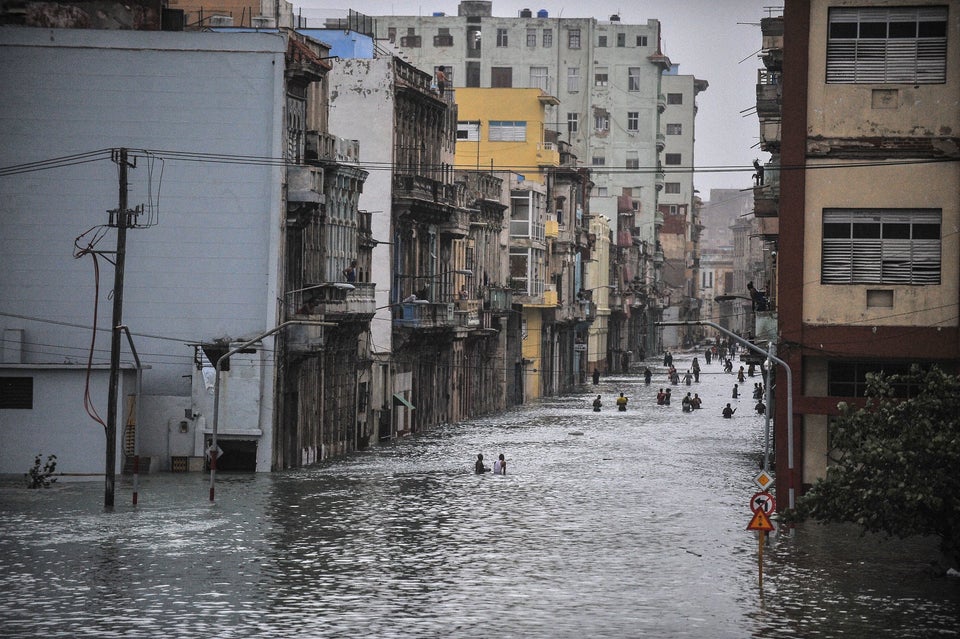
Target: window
[601, 77]
[531, 37]
[473, 42]
[633, 121]
[392, 34]
[672, 187]
[849, 378]
[600, 191]
[672, 159]
[602, 41]
[501, 37]
[641, 41]
[601, 121]
[443, 38]
[633, 160]
[16, 393]
[674, 98]
[621, 39]
[547, 38]
[905, 45]
[573, 123]
[633, 79]
[881, 246]
[507, 131]
[599, 160]
[411, 40]
[539, 78]
[573, 39]
[573, 79]
[501, 77]
[469, 131]
[674, 129]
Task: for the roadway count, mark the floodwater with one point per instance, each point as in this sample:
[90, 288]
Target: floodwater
[606, 525]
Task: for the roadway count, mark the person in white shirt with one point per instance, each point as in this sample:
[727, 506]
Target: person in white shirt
[500, 466]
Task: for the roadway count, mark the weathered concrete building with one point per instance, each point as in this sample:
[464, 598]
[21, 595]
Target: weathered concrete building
[868, 253]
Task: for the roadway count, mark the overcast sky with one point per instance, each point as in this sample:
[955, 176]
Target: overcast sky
[713, 40]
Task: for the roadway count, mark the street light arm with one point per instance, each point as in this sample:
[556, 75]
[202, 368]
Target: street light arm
[786, 367]
[216, 384]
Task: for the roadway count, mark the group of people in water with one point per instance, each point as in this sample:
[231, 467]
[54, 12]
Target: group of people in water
[499, 466]
[692, 401]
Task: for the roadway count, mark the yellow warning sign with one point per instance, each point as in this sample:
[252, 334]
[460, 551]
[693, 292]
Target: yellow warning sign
[760, 521]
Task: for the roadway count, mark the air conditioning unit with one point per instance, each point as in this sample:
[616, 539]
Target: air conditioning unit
[221, 21]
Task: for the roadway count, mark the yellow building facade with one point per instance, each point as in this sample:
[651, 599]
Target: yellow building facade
[505, 129]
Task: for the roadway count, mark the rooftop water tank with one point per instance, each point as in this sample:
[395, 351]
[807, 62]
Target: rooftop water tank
[614, 18]
[542, 13]
[526, 13]
[438, 14]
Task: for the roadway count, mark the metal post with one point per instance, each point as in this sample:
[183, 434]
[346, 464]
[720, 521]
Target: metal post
[756, 349]
[136, 408]
[766, 416]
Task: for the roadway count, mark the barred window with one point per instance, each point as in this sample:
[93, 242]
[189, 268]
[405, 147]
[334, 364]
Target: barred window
[881, 246]
[897, 45]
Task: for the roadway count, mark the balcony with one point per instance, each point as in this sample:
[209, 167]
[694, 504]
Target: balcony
[770, 134]
[467, 313]
[661, 142]
[768, 227]
[661, 178]
[548, 155]
[304, 339]
[552, 229]
[661, 103]
[305, 184]
[769, 91]
[498, 300]
[423, 314]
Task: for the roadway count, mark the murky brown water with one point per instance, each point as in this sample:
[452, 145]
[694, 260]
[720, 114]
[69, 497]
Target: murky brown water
[612, 525]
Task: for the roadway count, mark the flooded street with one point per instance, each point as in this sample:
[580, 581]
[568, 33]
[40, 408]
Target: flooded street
[606, 525]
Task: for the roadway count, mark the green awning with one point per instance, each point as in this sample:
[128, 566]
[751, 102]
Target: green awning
[399, 399]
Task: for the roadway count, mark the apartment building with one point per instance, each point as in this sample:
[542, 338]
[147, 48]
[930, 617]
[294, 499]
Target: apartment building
[868, 252]
[607, 77]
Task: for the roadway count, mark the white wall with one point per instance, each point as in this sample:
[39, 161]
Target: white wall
[361, 108]
[209, 267]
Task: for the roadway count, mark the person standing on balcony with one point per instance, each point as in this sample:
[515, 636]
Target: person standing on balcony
[441, 78]
[350, 273]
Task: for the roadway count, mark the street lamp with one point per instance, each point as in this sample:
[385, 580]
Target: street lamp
[770, 357]
[216, 386]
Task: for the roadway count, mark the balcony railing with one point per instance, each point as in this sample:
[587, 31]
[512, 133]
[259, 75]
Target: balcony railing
[422, 314]
[498, 299]
[423, 188]
[467, 313]
[661, 103]
[661, 142]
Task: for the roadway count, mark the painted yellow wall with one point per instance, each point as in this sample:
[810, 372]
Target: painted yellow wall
[505, 104]
[531, 351]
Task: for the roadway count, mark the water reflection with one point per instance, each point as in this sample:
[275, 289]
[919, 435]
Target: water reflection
[617, 524]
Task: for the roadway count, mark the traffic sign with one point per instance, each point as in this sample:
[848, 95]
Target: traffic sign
[760, 522]
[763, 501]
[764, 480]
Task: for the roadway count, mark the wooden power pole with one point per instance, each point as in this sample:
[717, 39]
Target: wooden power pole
[121, 220]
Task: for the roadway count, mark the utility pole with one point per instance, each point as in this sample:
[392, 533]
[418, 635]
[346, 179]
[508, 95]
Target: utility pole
[121, 220]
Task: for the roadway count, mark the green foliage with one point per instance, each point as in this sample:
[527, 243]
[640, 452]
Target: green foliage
[39, 476]
[895, 464]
